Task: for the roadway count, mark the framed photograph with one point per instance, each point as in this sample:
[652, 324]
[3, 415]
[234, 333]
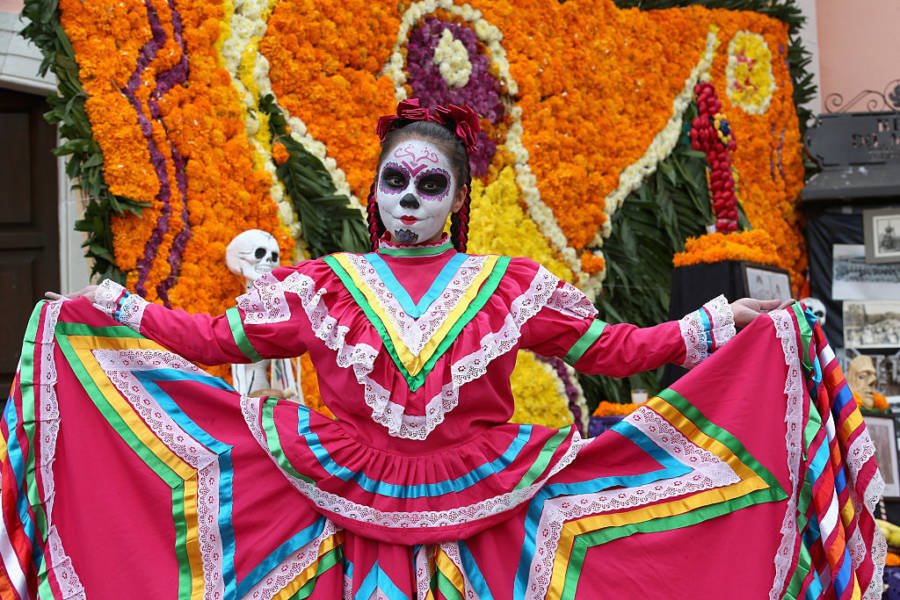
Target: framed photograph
[764, 282]
[872, 324]
[882, 430]
[881, 232]
[852, 278]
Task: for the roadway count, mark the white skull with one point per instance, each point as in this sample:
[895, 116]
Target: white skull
[817, 307]
[251, 254]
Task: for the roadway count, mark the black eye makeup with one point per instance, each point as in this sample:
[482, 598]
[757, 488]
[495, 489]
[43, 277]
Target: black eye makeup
[394, 179]
[433, 184]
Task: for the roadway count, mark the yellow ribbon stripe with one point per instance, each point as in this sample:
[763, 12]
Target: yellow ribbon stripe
[83, 346]
[749, 482]
[416, 362]
[327, 545]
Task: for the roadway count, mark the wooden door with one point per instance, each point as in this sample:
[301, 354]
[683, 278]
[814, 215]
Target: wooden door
[29, 230]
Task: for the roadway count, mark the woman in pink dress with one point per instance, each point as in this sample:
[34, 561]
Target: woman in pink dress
[131, 473]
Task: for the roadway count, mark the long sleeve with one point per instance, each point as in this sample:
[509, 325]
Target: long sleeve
[566, 328]
[267, 323]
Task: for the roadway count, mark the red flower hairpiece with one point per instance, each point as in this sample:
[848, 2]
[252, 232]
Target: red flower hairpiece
[462, 120]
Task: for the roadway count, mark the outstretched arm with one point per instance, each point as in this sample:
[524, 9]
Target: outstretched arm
[593, 346]
[234, 337]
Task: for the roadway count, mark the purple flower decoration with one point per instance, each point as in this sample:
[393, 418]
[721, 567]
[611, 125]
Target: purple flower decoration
[482, 92]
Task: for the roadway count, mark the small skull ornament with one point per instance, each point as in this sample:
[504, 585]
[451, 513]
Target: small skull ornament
[817, 307]
[251, 254]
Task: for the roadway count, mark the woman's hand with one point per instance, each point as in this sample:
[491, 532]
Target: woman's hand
[87, 292]
[747, 309]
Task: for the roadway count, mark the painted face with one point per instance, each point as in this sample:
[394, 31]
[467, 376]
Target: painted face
[416, 191]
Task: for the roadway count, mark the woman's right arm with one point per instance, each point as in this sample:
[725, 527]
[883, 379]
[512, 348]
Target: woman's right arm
[267, 323]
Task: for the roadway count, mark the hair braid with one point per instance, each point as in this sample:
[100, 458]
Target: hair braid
[459, 222]
[376, 227]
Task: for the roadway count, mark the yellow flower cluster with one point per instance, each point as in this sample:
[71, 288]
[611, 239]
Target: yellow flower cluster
[503, 227]
[585, 112]
[539, 393]
[749, 72]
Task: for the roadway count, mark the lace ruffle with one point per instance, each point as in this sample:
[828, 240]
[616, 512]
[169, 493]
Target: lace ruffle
[570, 301]
[267, 303]
[55, 554]
[793, 439]
[427, 519]
[707, 472]
[703, 335]
[118, 303]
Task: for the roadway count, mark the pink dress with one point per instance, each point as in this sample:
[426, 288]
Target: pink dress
[419, 487]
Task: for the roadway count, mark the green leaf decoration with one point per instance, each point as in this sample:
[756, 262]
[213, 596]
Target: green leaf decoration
[328, 222]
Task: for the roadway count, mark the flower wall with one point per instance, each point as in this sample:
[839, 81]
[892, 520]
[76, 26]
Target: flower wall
[579, 102]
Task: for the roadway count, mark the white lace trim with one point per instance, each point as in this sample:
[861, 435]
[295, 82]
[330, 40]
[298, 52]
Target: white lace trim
[131, 310]
[708, 471]
[570, 301]
[698, 339]
[335, 504]
[266, 303]
[793, 439]
[416, 333]
[288, 569]
[106, 296]
[119, 366]
[66, 575]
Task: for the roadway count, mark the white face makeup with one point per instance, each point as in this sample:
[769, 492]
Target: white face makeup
[416, 191]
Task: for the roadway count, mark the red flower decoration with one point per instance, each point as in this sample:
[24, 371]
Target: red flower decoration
[462, 120]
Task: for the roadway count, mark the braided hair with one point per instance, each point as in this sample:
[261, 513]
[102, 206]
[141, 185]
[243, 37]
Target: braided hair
[455, 150]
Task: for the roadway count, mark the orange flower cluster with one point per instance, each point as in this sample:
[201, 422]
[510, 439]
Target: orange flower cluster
[105, 65]
[754, 246]
[280, 153]
[891, 560]
[608, 409]
[202, 120]
[592, 102]
[768, 159]
[326, 59]
[592, 263]
[881, 402]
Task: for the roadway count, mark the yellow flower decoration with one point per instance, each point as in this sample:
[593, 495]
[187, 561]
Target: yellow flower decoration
[749, 72]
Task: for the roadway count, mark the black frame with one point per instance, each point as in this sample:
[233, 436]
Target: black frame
[890, 472]
[746, 266]
[869, 217]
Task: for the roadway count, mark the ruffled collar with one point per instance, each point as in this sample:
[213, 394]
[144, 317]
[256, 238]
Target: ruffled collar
[389, 248]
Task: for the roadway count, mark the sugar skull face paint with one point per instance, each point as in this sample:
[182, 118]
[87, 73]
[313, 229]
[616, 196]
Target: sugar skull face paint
[416, 191]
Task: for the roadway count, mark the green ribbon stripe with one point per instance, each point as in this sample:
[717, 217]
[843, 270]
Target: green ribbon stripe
[181, 555]
[543, 458]
[446, 587]
[240, 336]
[274, 441]
[773, 493]
[168, 476]
[416, 381]
[326, 561]
[429, 251]
[29, 424]
[584, 342]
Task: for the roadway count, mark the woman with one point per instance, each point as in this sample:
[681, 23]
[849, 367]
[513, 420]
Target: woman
[419, 487]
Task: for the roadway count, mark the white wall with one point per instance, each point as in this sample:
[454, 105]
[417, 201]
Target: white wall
[19, 62]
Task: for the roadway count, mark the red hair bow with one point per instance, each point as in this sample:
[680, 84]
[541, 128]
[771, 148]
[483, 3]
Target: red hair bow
[462, 120]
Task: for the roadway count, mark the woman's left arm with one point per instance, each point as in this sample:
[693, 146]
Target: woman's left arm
[593, 346]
